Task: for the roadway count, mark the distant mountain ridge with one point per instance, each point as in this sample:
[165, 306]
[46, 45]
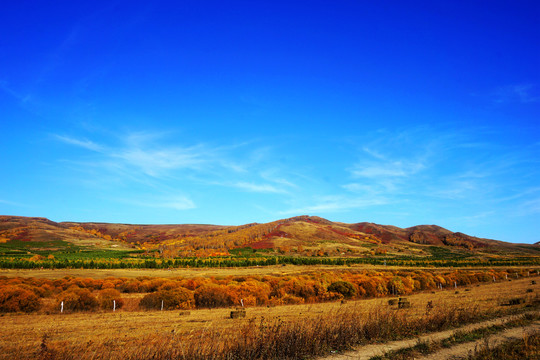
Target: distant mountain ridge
[308, 235]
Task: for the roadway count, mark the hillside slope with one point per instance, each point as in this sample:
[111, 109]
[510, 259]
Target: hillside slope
[302, 235]
[36, 233]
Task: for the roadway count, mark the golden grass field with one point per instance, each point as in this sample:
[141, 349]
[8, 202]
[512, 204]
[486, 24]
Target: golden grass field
[22, 335]
[277, 270]
[177, 272]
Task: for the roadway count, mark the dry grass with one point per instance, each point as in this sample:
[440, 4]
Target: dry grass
[277, 270]
[144, 334]
[526, 348]
[178, 272]
[429, 346]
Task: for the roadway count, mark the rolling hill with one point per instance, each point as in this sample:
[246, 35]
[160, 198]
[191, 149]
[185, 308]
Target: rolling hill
[301, 235]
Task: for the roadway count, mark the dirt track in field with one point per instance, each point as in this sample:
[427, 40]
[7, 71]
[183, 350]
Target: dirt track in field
[455, 352]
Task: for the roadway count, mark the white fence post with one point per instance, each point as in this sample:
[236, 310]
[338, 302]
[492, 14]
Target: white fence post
[62, 307]
[114, 305]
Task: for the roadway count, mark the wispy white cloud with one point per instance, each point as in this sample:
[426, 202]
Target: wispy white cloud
[455, 190]
[150, 159]
[273, 176]
[260, 188]
[393, 155]
[154, 162]
[529, 207]
[425, 167]
[360, 188]
[373, 153]
[401, 172]
[332, 204]
[12, 203]
[143, 153]
[84, 143]
[369, 188]
[170, 202]
[473, 174]
[177, 203]
[384, 169]
[388, 167]
[4, 86]
[521, 93]
[24, 98]
[474, 218]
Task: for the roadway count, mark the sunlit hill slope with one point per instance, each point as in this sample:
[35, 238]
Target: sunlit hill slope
[302, 235]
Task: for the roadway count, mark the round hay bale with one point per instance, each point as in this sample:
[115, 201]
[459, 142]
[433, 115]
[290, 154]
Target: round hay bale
[516, 301]
[236, 314]
[392, 301]
[404, 303]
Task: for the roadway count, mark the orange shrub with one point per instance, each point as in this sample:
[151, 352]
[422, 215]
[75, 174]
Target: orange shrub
[131, 286]
[179, 298]
[344, 288]
[191, 284]
[252, 292]
[426, 281]
[212, 296]
[169, 285]
[151, 285]
[331, 296]
[37, 290]
[76, 299]
[107, 297]
[15, 298]
[108, 285]
[220, 291]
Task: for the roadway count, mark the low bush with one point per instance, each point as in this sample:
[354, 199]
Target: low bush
[16, 298]
[179, 298]
[291, 300]
[212, 296]
[108, 297]
[344, 288]
[76, 299]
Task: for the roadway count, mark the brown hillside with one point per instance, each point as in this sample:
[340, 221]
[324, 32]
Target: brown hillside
[153, 234]
[306, 235]
[36, 230]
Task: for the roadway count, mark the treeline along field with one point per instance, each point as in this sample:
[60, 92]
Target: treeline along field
[216, 262]
[88, 294]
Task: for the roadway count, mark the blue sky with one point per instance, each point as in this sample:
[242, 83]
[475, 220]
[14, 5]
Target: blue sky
[231, 112]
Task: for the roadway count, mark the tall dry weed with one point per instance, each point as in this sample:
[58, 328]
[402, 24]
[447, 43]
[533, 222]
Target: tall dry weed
[277, 339]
